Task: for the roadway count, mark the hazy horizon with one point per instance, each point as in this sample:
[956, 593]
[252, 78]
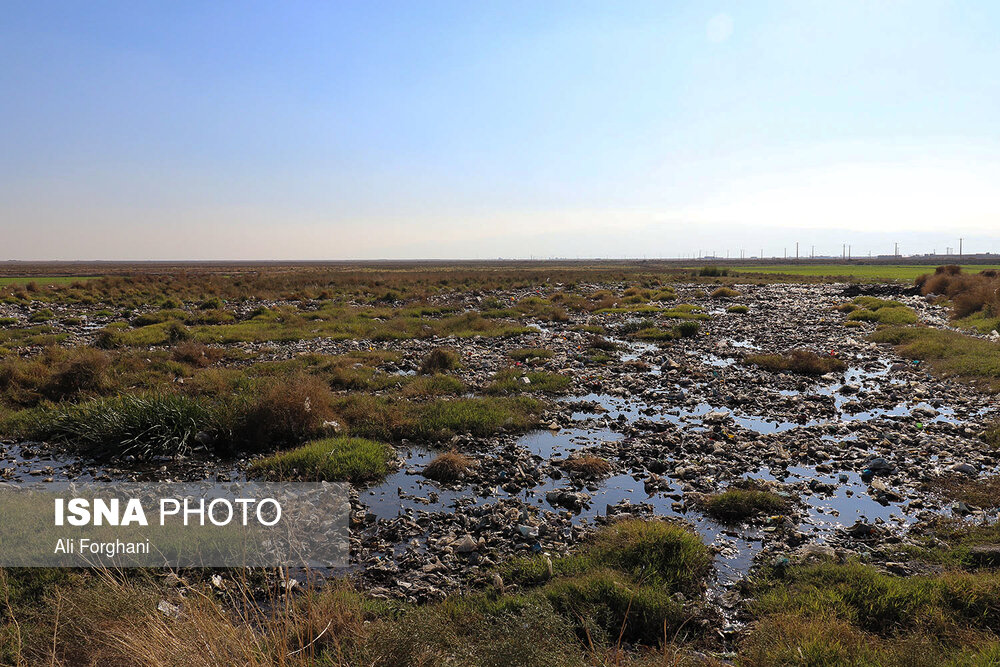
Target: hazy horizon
[447, 130]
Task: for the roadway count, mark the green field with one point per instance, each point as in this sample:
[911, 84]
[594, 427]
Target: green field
[43, 280]
[905, 272]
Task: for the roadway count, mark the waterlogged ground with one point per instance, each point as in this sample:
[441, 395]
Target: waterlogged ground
[677, 422]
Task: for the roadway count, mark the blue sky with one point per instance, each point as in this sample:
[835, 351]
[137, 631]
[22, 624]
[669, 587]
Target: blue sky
[246, 130]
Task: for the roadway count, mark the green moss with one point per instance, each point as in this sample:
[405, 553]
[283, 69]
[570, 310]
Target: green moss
[340, 459]
[737, 309]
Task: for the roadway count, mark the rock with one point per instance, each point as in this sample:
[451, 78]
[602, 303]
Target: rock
[466, 545]
[167, 609]
[964, 468]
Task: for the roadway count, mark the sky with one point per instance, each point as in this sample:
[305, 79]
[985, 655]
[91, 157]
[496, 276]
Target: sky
[338, 130]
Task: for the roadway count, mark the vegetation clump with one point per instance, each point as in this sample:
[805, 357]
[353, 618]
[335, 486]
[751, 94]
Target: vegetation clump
[337, 459]
[983, 492]
[512, 380]
[743, 503]
[947, 352]
[440, 360]
[882, 311]
[623, 581]
[724, 293]
[830, 613]
[449, 467]
[390, 419]
[803, 362]
[587, 466]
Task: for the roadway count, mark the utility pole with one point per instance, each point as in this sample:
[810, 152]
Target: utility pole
[960, 247]
[796, 250]
[812, 252]
[848, 251]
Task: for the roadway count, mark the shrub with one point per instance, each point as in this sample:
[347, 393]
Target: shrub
[448, 467]
[597, 342]
[713, 272]
[79, 371]
[737, 309]
[215, 303]
[439, 360]
[282, 411]
[339, 459]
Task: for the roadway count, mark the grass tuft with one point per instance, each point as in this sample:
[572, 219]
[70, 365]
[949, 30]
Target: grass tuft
[803, 362]
[339, 459]
[449, 467]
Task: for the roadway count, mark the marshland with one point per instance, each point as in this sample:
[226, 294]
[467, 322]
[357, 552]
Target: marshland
[617, 463]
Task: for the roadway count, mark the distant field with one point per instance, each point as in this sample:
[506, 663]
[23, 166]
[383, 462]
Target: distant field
[905, 272]
[43, 280]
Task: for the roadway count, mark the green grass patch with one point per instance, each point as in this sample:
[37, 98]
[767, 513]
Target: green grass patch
[391, 419]
[511, 381]
[743, 504]
[340, 459]
[865, 272]
[622, 580]
[947, 352]
[44, 280]
[883, 604]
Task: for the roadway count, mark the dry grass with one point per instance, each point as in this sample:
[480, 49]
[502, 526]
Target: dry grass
[983, 492]
[803, 362]
[969, 293]
[196, 354]
[587, 466]
[724, 293]
[449, 467]
[439, 360]
[283, 411]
